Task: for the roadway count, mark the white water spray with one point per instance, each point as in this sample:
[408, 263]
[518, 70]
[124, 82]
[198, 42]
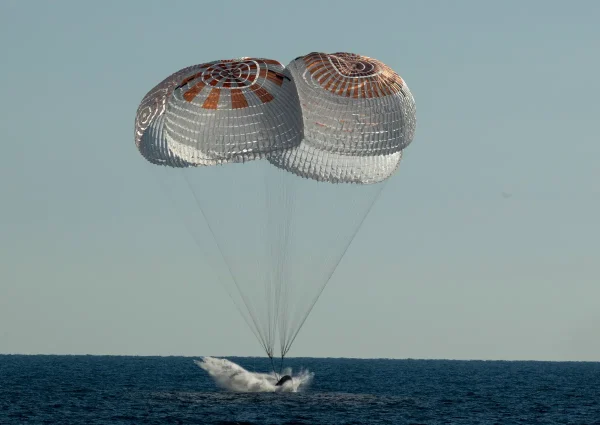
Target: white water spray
[233, 377]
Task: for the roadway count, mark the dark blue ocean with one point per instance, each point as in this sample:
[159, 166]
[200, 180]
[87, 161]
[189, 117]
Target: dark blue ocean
[174, 390]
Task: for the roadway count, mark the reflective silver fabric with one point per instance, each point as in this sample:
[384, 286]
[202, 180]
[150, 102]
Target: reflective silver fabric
[222, 111]
[341, 118]
[358, 116]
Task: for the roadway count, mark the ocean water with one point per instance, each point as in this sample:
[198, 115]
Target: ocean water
[175, 390]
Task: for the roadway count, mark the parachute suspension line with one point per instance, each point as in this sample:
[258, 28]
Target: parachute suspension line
[267, 289]
[280, 251]
[273, 367]
[314, 300]
[243, 296]
[280, 200]
[196, 239]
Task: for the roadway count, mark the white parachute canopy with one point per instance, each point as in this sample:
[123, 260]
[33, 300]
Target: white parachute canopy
[274, 169]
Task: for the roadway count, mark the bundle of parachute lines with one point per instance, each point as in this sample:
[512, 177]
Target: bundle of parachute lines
[339, 118]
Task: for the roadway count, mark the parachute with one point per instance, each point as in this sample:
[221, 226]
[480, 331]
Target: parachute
[274, 169]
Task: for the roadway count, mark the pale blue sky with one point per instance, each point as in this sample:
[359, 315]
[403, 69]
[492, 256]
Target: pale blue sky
[507, 101]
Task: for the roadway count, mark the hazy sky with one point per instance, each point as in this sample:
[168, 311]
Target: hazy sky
[508, 100]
